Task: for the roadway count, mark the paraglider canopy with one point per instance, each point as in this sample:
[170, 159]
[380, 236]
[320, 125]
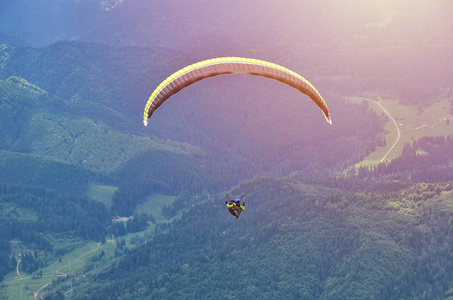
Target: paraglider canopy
[228, 65]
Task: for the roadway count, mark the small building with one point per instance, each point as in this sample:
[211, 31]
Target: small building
[425, 125]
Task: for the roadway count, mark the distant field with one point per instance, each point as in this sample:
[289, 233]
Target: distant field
[75, 262]
[102, 193]
[154, 205]
[410, 118]
[23, 287]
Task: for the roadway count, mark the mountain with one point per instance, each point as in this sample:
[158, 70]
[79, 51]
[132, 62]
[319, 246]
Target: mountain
[102, 207]
[87, 91]
[38, 122]
[297, 239]
[384, 46]
[71, 119]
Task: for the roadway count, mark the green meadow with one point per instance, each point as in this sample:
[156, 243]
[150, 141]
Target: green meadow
[154, 205]
[102, 193]
[412, 122]
[88, 257]
[23, 285]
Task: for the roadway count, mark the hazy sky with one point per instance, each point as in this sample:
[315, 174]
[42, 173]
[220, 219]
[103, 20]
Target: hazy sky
[247, 20]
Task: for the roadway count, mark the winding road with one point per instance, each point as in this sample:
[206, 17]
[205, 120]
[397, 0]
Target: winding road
[396, 126]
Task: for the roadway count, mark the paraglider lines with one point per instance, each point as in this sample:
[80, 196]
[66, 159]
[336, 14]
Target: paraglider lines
[218, 146]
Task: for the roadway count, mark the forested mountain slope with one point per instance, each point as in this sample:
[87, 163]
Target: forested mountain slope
[297, 239]
[76, 92]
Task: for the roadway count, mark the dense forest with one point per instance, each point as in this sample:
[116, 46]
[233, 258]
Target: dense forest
[295, 240]
[428, 159]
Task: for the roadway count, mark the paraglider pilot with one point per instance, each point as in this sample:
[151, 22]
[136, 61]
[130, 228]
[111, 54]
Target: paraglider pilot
[234, 207]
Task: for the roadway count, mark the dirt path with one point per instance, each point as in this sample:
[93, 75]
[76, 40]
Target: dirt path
[396, 126]
[35, 294]
[17, 268]
[16, 280]
[440, 121]
[59, 274]
[86, 253]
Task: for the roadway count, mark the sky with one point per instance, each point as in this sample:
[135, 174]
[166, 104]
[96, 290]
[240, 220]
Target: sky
[247, 20]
